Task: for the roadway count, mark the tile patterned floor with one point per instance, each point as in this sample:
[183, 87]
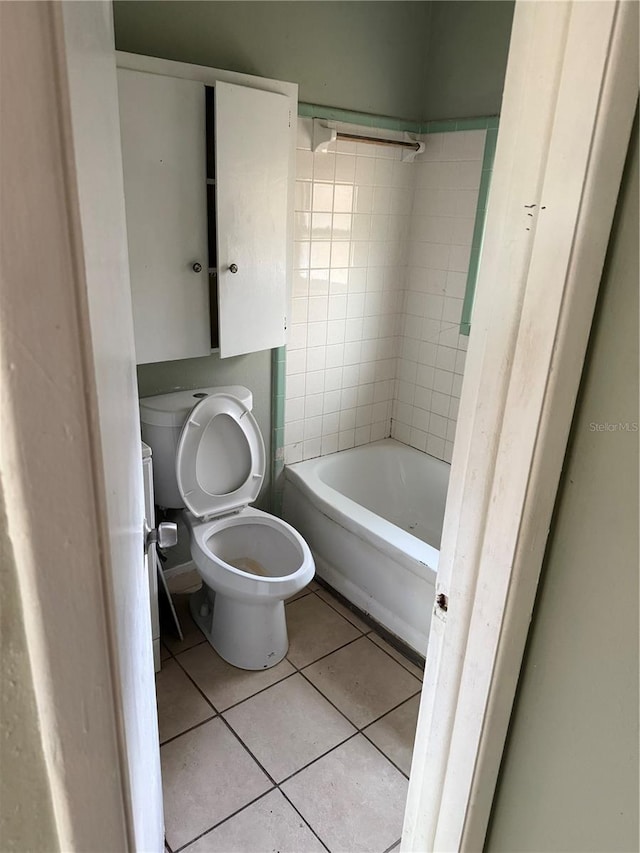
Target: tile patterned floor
[311, 755]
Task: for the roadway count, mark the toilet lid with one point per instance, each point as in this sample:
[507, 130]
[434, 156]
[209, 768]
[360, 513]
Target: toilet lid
[220, 459]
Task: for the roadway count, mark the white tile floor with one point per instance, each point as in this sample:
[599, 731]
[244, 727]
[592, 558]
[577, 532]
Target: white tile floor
[311, 755]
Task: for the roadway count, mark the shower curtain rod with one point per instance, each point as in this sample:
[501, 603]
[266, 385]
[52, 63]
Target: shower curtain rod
[374, 140]
[325, 133]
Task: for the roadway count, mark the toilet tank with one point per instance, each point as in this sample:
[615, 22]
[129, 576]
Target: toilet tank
[162, 418]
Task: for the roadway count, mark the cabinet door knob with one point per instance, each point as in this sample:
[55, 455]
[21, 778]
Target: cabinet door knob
[233, 268]
[197, 267]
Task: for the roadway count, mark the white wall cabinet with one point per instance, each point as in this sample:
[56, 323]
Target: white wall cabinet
[207, 188]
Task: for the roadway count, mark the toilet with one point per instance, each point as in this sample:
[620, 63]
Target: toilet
[209, 458]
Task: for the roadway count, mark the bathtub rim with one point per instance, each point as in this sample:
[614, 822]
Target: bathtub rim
[388, 537]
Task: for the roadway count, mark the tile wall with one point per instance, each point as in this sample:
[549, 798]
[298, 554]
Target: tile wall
[353, 206]
[431, 352]
[381, 256]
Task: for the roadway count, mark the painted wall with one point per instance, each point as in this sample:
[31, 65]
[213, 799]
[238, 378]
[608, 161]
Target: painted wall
[466, 58]
[419, 60]
[24, 779]
[569, 778]
[367, 56]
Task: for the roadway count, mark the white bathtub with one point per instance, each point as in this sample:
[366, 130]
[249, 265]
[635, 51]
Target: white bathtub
[373, 519]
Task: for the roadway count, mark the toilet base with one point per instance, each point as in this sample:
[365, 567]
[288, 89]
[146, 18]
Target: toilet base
[247, 634]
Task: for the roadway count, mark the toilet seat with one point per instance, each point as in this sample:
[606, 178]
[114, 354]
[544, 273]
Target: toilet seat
[230, 579]
[220, 458]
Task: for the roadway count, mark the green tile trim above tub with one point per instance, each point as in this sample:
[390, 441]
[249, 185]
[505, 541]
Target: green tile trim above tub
[450, 125]
[352, 117]
[390, 123]
[278, 368]
[478, 228]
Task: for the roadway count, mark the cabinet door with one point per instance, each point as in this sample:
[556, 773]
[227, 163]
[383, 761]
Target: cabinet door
[252, 164]
[164, 158]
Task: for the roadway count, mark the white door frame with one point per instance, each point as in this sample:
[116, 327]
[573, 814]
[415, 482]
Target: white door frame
[569, 101]
[70, 454]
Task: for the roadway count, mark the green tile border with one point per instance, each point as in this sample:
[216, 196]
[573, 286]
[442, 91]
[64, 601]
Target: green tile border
[478, 227]
[389, 123]
[351, 117]
[278, 366]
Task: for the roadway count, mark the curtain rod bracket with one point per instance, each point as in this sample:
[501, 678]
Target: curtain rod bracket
[324, 133]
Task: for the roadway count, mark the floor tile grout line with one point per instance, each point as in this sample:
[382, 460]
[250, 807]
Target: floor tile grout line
[297, 810]
[182, 651]
[355, 725]
[190, 729]
[335, 609]
[355, 640]
[373, 631]
[258, 692]
[225, 819]
[286, 779]
[196, 685]
[322, 657]
[271, 778]
[329, 701]
[391, 710]
[380, 750]
[318, 758]
[243, 808]
[372, 628]
[244, 745]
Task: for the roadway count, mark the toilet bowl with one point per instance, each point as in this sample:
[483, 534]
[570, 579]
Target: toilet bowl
[249, 561]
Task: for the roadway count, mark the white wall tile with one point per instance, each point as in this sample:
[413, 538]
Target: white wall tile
[381, 255]
[315, 382]
[347, 419]
[346, 439]
[329, 444]
[294, 411]
[293, 453]
[293, 432]
[338, 281]
[295, 385]
[316, 334]
[313, 405]
[311, 448]
[322, 198]
[335, 331]
[321, 224]
[313, 427]
[324, 166]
